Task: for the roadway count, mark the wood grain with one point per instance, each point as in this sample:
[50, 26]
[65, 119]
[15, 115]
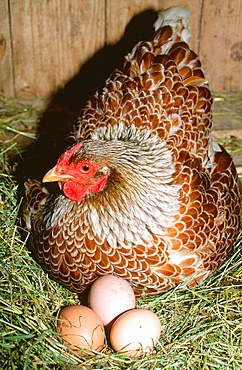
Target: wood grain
[43, 44]
[6, 60]
[221, 43]
[51, 40]
[120, 13]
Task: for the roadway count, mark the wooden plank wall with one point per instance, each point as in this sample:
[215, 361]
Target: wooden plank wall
[44, 43]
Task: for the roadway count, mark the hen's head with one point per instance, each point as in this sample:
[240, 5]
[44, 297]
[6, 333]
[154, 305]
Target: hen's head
[76, 176]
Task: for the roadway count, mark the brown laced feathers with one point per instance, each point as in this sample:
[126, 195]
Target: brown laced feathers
[160, 200]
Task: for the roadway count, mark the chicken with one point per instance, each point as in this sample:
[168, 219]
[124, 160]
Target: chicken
[145, 192]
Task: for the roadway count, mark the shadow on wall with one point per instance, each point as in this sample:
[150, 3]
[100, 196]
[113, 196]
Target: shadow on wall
[65, 105]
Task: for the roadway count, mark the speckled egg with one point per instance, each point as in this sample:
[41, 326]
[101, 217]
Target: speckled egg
[135, 332]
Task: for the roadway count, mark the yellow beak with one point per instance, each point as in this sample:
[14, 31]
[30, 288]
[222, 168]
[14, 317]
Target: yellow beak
[55, 175]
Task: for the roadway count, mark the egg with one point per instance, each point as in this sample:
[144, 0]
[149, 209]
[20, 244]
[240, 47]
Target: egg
[80, 326]
[135, 332]
[110, 296]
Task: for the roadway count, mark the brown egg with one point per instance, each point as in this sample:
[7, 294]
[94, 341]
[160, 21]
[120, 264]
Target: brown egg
[109, 296]
[80, 326]
[135, 332]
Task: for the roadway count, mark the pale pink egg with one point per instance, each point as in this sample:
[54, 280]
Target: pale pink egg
[80, 326]
[109, 296]
[135, 332]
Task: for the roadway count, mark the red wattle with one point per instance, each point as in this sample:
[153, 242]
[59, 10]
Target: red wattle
[74, 191]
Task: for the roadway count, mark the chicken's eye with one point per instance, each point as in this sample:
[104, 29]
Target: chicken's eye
[85, 168]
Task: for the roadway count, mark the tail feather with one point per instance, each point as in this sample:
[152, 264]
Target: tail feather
[176, 17]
